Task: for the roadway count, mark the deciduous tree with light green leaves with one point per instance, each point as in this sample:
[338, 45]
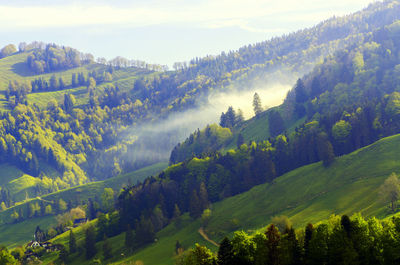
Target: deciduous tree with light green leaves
[390, 191]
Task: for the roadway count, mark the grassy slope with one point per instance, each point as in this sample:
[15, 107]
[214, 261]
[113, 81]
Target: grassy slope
[257, 129]
[308, 194]
[14, 68]
[83, 191]
[8, 173]
[20, 233]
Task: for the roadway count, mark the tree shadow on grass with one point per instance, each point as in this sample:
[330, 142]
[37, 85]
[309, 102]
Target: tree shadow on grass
[22, 69]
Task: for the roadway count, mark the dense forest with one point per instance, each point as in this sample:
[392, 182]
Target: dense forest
[339, 240]
[349, 100]
[362, 114]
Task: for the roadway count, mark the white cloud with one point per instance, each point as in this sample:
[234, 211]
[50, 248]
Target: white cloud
[209, 13]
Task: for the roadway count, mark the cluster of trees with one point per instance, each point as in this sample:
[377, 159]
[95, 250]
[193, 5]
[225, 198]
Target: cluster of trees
[230, 118]
[67, 137]
[205, 141]
[54, 58]
[339, 240]
[7, 50]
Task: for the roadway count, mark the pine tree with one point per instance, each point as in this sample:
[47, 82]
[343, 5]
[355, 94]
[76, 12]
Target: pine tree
[325, 150]
[53, 82]
[72, 242]
[300, 90]
[63, 255]
[240, 140]
[273, 240]
[307, 239]
[107, 249]
[203, 197]
[195, 205]
[90, 242]
[225, 252]
[74, 81]
[239, 117]
[178, 247]
[61, 83]
[145, 231]
[129, 238]
[276, 123]
[257, 104]
[177, 212]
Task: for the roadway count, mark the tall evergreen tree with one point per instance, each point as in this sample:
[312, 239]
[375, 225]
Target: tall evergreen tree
[325, 150]
[240, 140]
[300, 90]
[72, 242]
[273, 241]
[90, 242]
[257, 104]
[225, 252]
[203, 197]
[195, 205]
[129, 238]
[276, 123]
[107, 249]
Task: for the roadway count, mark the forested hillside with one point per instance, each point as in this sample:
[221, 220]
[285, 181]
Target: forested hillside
[67, 120]
[77, 114]
[346, 103]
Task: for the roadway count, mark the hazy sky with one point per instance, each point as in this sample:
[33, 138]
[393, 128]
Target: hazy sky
[161, 31]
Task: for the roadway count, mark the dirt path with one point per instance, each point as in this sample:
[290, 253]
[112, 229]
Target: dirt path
[40, 198]
[204, 235]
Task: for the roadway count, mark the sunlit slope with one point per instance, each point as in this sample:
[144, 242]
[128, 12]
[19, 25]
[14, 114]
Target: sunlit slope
[14, 67]
[257, 128]
[308, 194]
[90, 190]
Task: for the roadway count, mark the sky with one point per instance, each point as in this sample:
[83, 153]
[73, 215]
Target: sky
[159, 31]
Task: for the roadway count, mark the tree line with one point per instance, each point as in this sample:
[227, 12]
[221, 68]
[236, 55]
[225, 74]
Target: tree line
[338, 240]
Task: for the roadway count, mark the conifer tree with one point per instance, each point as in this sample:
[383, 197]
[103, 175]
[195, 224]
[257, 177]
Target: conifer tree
[195, 205]
[177, 212]
[257, 104]
[129, 238]
[240, 140]
[90, 242]
[225, 252]
[273, 240]
[203, 196]
[107, 249]
[72, 242]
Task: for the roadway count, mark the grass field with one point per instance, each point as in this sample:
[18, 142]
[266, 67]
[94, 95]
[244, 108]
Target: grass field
[21, 233]
[14, 68]
[8, 173]
[84, 192]
[257, 129]
[309, 194]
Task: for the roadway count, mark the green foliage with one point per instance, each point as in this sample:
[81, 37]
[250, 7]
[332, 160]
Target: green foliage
[390, 191]
[257, 104]
[90, 240]
[72, 242]
[341, 130]
[7, 50]
[207, 140]
[107, 249]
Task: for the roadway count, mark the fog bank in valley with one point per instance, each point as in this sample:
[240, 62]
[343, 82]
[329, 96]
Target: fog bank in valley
[155, 140]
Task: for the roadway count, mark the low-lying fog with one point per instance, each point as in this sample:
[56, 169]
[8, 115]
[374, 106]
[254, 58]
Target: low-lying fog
[156, 140]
